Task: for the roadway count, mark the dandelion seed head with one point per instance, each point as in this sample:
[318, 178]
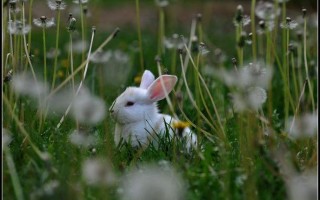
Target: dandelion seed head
[18, 28]
[13, 6]
[305, 126]
[82, 139]
[162, 3]
[53, 52]
[174, 42]
[101, 57]
[6, 138]
[152, 182]
[80, 1]
[203, 50]
[98, 172]
[24, 84]
[266, 11]
[77, 46]
[56, 4]
[88, 109]
[289, 24]
[251, 98]
[303, 186]
[116, 70]
[44, 22]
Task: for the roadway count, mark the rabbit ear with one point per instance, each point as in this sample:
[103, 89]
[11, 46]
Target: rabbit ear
[147, 79]
[161, 87]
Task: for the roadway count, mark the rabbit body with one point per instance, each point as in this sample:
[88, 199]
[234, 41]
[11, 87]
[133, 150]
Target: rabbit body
[136, 113]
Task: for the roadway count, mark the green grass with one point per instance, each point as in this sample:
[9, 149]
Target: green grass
[232, 161]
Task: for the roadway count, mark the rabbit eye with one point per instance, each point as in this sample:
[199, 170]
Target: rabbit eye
[129, 103]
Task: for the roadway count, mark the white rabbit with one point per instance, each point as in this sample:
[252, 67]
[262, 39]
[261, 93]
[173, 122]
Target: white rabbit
[136, 113]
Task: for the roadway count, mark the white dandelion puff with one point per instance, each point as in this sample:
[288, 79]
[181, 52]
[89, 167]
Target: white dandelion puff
[250, 99]
[80, 1]
[162, 3]
[24, 84]
[6, 138]
[18, 28]
[80, 138]
[88, 109]
[56, 4]
[100, 57]
[174, 42]
[77, 46]
[44, 22]
[289, 24]
[98, 172]
[305, 126]
[266, 10]
[152, 181]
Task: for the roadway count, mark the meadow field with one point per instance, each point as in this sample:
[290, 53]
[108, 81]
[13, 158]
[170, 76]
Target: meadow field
[247, 78]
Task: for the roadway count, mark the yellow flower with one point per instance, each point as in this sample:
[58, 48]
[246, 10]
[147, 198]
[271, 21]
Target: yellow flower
[137, 80]
[180, 124]
[60, 74]
[65, 63]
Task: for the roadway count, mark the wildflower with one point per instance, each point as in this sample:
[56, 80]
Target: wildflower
[25, 84]
[8, 77]
[100, 57]
[18, 28]
[56, 4]
[60, 74]
[44, 22]
[80, 1]
[302, 127]
[174, 42]
[203, 49]
[6, 139]
[289, 24]
[88, 109]
[251, 98]
[162, 3]
[266, 11]
[98, 172]
[81, 138]
[152, 181]
[53, 52]
[180, 126]
[137, 79]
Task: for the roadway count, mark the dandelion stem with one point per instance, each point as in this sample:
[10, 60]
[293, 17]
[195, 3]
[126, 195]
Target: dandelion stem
[30, 21]
[44, 54]
[139, 34]
[161, 32]
[83, 64]
[83, 77]
[56, 50]
[298, 105]
[208, 92]
[14, 175]
[306, 62]
[82, 28]
[21, 128]
[191, 98]
[71, 61]
[253, 30]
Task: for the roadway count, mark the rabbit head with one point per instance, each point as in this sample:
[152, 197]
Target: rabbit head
[139, 103]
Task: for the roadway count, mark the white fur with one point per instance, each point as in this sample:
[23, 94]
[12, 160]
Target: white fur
[141, 120]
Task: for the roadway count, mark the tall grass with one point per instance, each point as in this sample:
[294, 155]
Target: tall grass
[254, 113]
